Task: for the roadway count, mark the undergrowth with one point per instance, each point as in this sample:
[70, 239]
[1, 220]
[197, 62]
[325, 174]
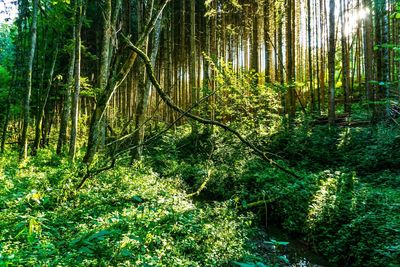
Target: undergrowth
[347, 205]
[126, 217]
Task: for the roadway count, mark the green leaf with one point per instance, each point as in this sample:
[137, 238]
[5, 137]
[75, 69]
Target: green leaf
[85, 250]
[137, 199]
[100, 234]
[243, 264]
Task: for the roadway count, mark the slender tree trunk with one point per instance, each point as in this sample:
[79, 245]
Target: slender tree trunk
[39, 120]
[75, 99]
[310, 65]
[192, 63]
[66, 110]
[290, 62]
[331, 62]
[318, 58]
[254, 44]
[345, 60]
[267, 41]
[144, 91]
[26, 107]
[381, 110]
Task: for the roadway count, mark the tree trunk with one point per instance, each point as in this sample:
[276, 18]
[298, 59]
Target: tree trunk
[310, 65]
[26, 107]
[381, 110]
[66, 110]
[331, 62]
[112, 85]
[43, 104]
[254, 44]
[267, 42]
[192, 61]
[345, 61]
[75, 99]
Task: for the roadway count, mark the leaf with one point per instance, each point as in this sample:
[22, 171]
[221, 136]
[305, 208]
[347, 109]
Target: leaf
[85, 250]
[242, 264]
[137, 199]
[283, 258]
[282, 243]
[100, 234]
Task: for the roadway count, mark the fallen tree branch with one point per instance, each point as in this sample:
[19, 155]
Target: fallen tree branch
[171, 104]
[202, 186]
[92, 173]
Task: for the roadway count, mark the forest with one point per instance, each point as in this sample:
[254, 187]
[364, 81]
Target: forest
[246, 133]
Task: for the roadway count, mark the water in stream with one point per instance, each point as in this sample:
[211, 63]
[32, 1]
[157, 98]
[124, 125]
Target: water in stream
[290, 252]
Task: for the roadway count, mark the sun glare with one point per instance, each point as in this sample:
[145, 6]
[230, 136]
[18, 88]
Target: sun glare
[353, 19]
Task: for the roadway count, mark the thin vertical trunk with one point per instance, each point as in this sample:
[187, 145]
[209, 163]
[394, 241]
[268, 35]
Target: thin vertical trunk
[254, 44]
[318, 49]
[66, 110]
[42, 105]
[381, 110]
[144, 99]
[75, 99]
[267, 41]
[331, 62]
[26, 107]
[345, 60]
[290, 62]
[310, 65]
[192, 63]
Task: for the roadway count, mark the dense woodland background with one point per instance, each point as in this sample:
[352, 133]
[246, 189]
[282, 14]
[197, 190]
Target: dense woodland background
[282, 113]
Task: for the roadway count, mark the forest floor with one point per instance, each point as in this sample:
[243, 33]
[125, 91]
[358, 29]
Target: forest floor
[346, 208]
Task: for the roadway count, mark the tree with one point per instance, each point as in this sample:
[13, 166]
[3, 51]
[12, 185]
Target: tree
[144, 90]
[26, 106]
[119, 75]
[381, 108]
[345, 59]
[77, 77]
[192, 62]
[331, 62]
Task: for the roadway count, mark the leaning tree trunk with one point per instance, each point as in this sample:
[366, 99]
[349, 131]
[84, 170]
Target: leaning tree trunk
[144, 97]
[26, 107]
[112, 85]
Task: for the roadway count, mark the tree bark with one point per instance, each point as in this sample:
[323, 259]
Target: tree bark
[331, 62]
[26, 107]
[39, 119]
[75, 99]
[66, 110]
[193, 57]
[381, 107]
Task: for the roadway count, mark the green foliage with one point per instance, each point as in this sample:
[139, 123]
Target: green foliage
[127, 216]
[345, 206]
[6, 46]
[243, 102]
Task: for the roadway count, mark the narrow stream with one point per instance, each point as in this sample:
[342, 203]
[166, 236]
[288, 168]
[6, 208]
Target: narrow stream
[289, 251]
